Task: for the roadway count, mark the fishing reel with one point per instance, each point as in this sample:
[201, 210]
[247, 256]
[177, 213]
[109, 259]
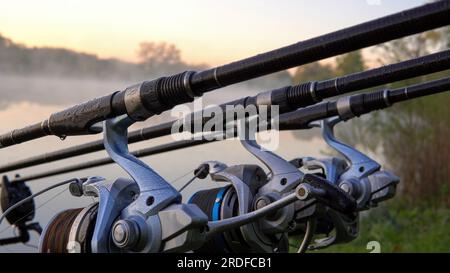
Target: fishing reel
[248, 189]
[356, 174]
[253, 212]
[21, 216]
[145, 214]
[142, 214]
[313, 215]
[251, 189]
[234, 199]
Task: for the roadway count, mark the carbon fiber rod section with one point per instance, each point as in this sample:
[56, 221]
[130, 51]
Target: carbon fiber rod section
[363, 35]
[104, 161]
[288, 98]
[359, 104]
[148, 98]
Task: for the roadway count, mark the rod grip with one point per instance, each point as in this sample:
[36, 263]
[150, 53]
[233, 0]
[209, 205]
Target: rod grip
[78, 119]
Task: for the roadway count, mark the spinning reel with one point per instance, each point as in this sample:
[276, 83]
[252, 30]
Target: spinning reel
[357, 175]
[254, 212]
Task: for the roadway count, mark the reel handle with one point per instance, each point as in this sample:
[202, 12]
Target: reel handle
[329, 194]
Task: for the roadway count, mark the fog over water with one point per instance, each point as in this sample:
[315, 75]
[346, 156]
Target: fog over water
[25, 100]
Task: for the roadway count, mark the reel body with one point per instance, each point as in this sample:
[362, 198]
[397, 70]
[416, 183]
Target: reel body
[253, 213]
[233, 200]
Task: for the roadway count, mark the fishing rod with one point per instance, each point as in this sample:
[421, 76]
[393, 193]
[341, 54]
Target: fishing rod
[253, 212]
[287, 97]
[345, 108]
[149, 98]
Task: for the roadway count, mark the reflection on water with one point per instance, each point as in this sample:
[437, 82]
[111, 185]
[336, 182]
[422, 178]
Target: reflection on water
[171, 165]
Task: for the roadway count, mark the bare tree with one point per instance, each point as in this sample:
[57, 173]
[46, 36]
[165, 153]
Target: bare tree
[160, 58]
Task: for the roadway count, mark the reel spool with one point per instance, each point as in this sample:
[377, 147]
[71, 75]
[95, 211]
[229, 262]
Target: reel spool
[218, 204]
[215, 203]
[70, 231]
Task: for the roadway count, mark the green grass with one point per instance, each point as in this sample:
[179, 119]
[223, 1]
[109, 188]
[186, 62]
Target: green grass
[400, 228]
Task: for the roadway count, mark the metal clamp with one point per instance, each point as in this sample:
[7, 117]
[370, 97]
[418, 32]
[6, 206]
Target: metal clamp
[344, 108]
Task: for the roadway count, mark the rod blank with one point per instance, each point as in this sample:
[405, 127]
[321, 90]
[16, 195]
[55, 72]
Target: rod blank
[300, 119]
[363, 35]
[153, 97]
[374, 77]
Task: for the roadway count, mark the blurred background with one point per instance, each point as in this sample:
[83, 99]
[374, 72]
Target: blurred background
[54, 54]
